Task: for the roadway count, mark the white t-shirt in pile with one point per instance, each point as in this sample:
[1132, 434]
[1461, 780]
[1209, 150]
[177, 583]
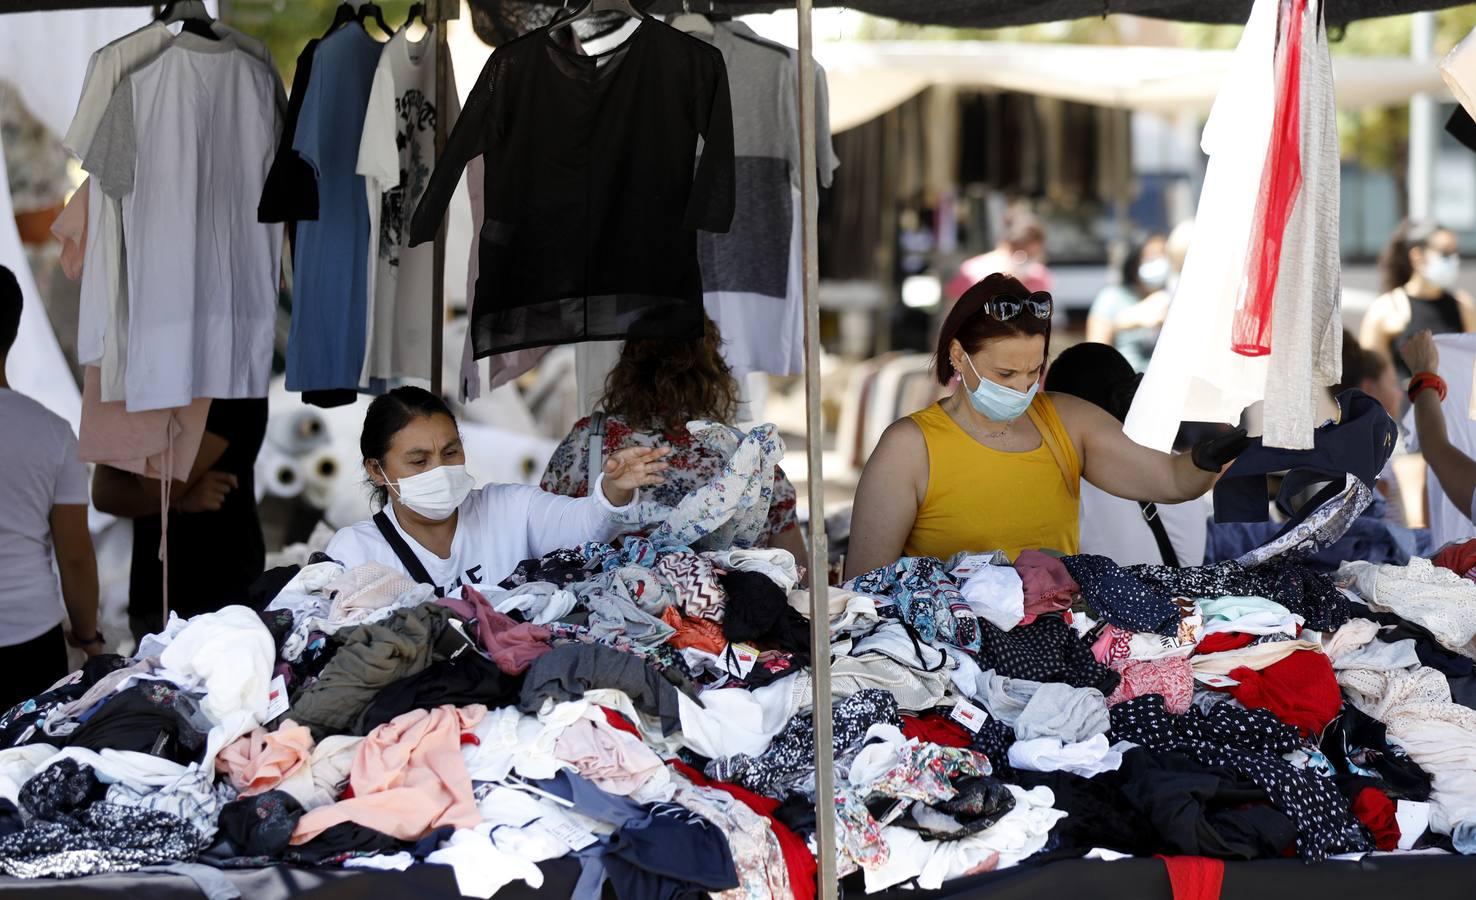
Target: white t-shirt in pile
[396, 155]
[41, 469]
[500, 525]
[185, 144]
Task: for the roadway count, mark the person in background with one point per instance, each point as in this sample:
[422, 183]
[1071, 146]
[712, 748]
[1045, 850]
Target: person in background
[655, 389]
[216, 549]
[1372, 372]
[1420, 267]
[998, 465]
[43, 517]
[1020, 253]
[1126, 531]
[1455, 470]
[437, 530]
[1129, 314]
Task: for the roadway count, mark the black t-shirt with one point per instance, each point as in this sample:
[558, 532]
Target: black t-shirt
[594, 192]
[213, 556]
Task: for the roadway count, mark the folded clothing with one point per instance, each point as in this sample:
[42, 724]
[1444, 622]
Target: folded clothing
[408, 778]
[1301, 690]
[568, 671]
[371, 657]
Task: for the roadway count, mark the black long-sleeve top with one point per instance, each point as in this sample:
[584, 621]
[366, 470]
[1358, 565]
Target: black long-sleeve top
[594, 189]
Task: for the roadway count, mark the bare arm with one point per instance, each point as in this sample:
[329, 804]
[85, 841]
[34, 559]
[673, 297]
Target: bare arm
[1100, 329]
[1115, 463]
[1147, 313]
[77, 563]
[1456, 470]
[130, 496]
[1468, 311]
[1374, 331]
[887, 499]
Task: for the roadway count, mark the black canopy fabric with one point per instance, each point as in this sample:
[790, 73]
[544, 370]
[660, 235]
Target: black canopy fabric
[960, 13]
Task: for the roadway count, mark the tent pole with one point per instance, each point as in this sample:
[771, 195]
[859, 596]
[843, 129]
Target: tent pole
[815, 444]
[443, 12]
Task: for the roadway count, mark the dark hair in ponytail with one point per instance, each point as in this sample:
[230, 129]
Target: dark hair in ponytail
[388, 415]
[1394, 261]
[972, 326]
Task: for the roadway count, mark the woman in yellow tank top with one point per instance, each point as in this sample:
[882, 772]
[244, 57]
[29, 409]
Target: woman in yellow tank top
[998, 465]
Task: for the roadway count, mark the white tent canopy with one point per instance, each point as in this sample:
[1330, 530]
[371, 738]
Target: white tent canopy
[869, 78]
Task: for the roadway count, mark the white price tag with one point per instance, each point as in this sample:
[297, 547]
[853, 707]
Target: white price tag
[969, 716]
[277, 701]
[577, 838]
[740, 659]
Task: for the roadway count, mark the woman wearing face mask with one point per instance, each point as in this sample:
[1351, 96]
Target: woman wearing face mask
[1420, 268]
[437, 530]
[997, 466]
[1128, 314]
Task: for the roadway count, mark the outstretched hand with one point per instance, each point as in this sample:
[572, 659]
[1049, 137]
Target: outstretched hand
[632, 469]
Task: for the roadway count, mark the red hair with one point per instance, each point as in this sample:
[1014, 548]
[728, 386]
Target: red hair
[971, 326]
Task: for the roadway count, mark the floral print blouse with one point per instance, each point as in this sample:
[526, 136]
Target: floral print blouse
[693, 462]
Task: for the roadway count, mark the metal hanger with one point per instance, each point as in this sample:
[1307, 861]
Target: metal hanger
[692, 23]
[192, 17]
[417, 10]
[599, 6]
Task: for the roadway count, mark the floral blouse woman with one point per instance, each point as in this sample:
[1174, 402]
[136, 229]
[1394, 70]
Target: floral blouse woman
[653, 392]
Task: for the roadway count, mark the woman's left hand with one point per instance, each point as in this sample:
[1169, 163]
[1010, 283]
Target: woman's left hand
[631, 469]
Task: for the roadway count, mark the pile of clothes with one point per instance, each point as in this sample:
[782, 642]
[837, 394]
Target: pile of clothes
[647, 711]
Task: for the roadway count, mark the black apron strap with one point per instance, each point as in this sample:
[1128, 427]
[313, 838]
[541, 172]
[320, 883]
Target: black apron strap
[1160, 533]
[408, 559]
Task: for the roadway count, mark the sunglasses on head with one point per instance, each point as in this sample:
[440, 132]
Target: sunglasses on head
[1005, 307]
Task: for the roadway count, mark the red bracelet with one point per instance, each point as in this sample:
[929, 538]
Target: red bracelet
[1424, 380]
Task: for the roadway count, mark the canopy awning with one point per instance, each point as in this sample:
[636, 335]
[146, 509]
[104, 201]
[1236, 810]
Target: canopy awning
[870, 78]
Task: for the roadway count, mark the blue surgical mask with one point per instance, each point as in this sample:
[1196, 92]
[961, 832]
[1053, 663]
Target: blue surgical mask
[1441, 269]
[997, 402]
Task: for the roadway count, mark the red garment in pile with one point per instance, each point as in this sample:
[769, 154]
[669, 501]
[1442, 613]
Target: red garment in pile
[1195, 877]
[1221, 641]
[797, 857]
[1301, 690]
[1376, 811]
[1459, 558]
[934, 728]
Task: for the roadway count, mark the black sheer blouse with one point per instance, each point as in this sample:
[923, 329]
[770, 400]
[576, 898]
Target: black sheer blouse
[594, 189]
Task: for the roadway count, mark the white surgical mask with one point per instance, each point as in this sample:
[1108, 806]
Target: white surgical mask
[435, 494]
[1154, 273]
[1441, 269]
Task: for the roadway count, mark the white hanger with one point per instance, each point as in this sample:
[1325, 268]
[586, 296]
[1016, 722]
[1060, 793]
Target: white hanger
[692, 23]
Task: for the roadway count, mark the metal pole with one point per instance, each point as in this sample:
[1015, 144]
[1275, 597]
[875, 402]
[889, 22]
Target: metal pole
[815, 440]
[1422, 134]
[443, 11]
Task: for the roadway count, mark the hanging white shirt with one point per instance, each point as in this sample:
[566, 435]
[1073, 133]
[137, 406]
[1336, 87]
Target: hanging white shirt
[185, 144]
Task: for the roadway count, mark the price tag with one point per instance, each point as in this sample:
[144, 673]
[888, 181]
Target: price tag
[277, 701]
[577, 838]
[969, 716]
[972, 563]
[740, 659]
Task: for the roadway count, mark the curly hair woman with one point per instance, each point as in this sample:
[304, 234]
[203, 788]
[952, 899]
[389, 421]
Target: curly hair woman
[655, 389]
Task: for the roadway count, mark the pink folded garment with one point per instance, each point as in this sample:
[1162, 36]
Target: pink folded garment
[262, 760]
[1172, 678]
[511, 644]
[1048, 586]
[408, 778]
[615, 761]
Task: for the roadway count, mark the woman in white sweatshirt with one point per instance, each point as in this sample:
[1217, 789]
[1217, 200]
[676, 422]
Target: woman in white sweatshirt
[437, 530]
